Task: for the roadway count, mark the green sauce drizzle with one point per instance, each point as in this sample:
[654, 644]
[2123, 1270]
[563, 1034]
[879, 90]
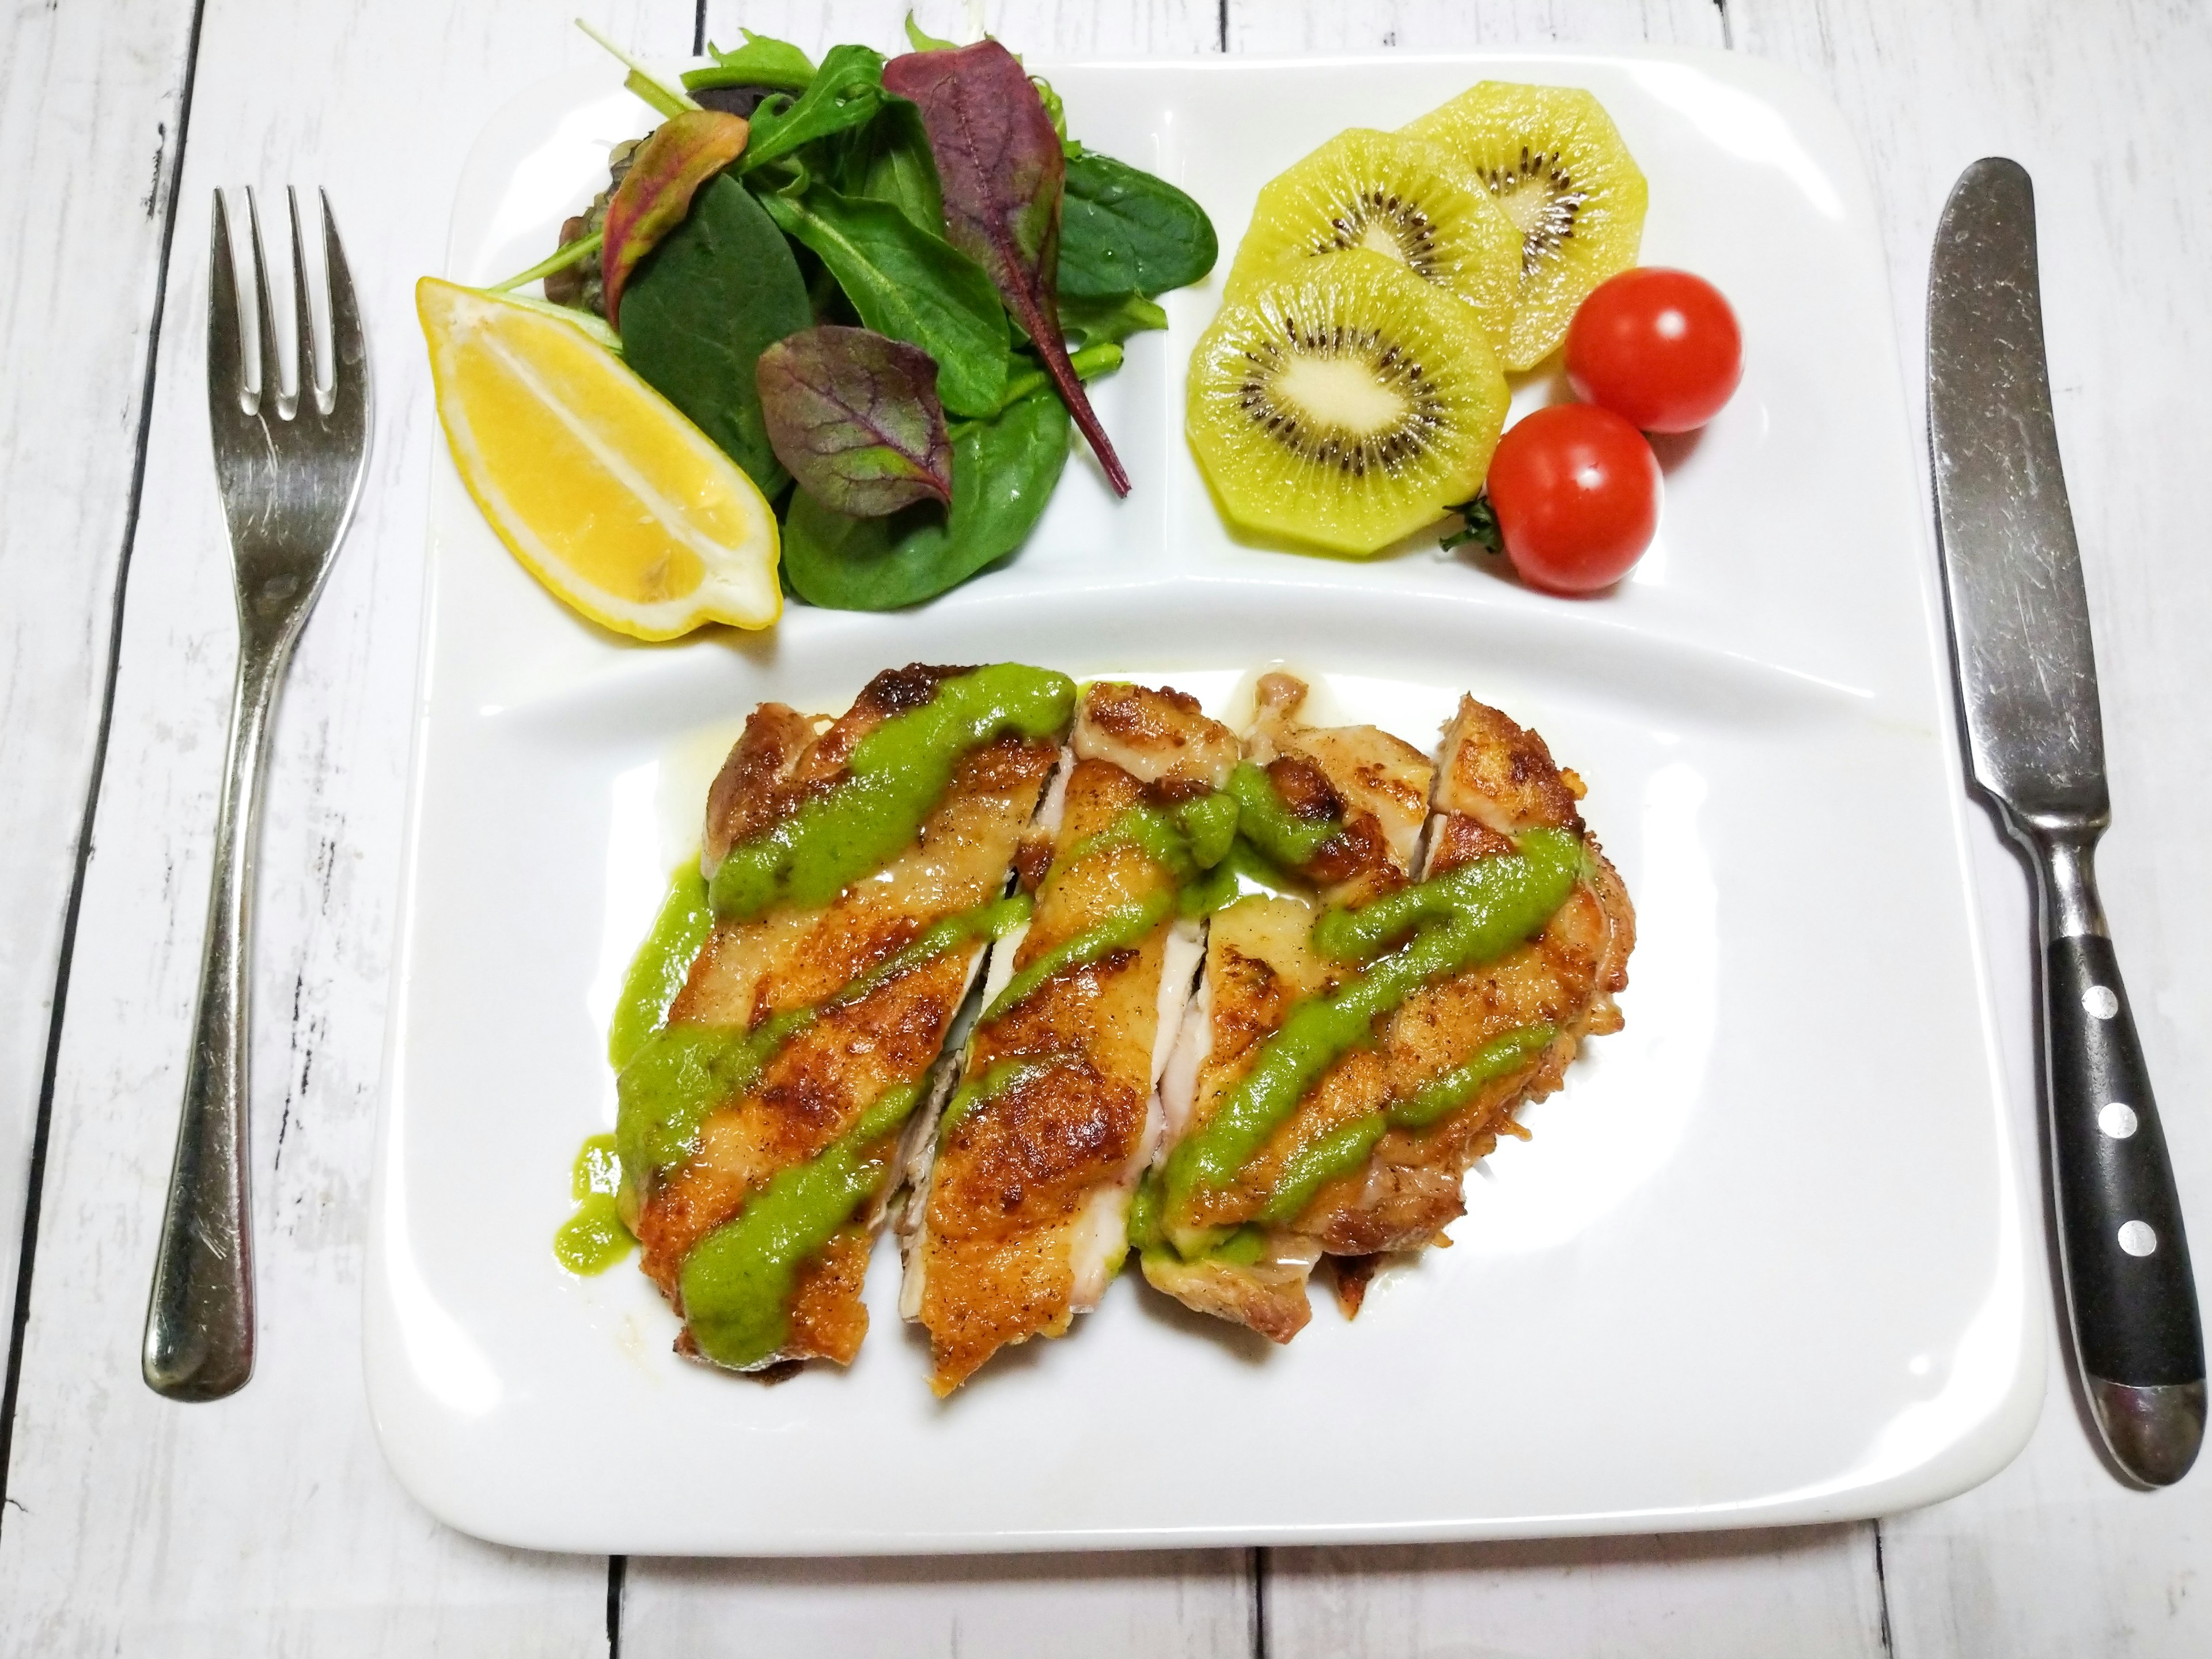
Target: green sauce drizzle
[1119, 929]
[997, 1079]
[737, 1281]
[1446, 1093]
[658, 971]
[1498, 902]
[1353, 935]
[1345, 1148]
[594, 1239]
[679, 1073]
[1268, 822]
[897, 775]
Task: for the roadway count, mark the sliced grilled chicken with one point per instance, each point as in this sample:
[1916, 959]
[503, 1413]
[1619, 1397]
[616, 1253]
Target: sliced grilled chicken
[1019, 1216]
[1372, 1156]
[761, 1123]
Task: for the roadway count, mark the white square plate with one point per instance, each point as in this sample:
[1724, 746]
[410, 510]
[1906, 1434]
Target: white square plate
[1765, 1260]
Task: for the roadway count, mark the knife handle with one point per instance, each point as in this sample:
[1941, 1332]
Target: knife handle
[2122, 1245]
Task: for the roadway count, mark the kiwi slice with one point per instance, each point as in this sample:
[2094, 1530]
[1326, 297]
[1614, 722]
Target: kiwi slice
[1554, 160]
[1391, 195]
[1343, 403]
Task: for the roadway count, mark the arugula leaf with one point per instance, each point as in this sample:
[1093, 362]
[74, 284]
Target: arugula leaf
[1114, 316]
[922, 41]
[847, 92]
[762, 61]
[909, 284]
[721, 288]
[1123, 231]
[1003, 474]
[888, 161]
[855, 417]
[1000, 166]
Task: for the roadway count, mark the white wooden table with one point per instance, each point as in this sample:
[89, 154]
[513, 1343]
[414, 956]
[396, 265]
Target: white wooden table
[268, 1524]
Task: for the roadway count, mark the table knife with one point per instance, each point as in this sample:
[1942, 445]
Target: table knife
[2027, 684]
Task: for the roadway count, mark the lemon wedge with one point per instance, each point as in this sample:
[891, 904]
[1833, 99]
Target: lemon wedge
[595, 481]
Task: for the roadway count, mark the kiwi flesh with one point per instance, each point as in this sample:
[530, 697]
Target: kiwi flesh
[1552, 158]
[1395, 195]
[1344, 404]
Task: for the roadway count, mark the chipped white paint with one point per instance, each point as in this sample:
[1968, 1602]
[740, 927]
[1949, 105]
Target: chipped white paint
[268, 1524]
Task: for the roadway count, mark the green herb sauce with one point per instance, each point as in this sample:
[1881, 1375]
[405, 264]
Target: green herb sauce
[898, 774]
[1496, 903]
[594, 1239]
[1267, 821]
[657, 972]
[997, 1079]
[1353, 935]
[737, 1281]
[1345, 1148]
[1118, 930]
[679, 1073]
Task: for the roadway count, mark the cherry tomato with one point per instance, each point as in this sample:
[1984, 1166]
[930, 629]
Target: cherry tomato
[1576, 489]
[1659, 348]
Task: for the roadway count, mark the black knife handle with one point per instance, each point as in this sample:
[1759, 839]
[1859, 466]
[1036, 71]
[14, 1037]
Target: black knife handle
[2127, 1258]
[2125, 1254]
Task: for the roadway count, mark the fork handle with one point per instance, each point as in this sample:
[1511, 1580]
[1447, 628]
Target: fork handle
[199, 1318]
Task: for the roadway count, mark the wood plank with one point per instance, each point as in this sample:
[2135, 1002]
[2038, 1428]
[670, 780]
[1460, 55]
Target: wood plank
[1190, 1604]
[2053, 1557]
[89, 108]
[1809, 1592]
[1193, 1602]
[1265, 26]
[267, 1524]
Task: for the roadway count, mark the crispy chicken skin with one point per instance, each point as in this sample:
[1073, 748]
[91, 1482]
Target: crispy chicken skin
[1494, 780]
[1019, 1219]
[820, 1082]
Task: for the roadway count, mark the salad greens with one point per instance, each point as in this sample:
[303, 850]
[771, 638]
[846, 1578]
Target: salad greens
[721, 289]
[936, 201]
[855, 417]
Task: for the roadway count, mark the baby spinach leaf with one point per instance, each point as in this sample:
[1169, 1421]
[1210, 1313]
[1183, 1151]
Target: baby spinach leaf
[665, 172]
[1000, 164]
[721, 288]
[909, 284]
[762, 61]
[1003, 474]
[846, 93]
[1123, 231]
[855, 417]
[1093, 321]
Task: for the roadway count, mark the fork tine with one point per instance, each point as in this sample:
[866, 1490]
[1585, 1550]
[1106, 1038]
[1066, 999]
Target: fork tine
[349, 350]
[303, 314]
[226, 389]
[269, 385]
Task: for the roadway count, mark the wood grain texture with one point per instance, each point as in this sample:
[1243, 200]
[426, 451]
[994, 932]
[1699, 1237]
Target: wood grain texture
[1188, 1605]
[1808, 1592]
[89, 107]
[2106, 111]
[1267, 26]
[267, 1523]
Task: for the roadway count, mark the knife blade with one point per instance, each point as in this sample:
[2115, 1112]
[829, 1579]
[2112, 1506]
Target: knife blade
[2027, 685]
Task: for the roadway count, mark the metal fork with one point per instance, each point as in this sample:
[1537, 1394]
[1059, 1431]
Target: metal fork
[289, 469]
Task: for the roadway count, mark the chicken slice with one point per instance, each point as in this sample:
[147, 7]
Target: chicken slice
[1217, 1254]
[782, 1072]
[1372, 1156]
[1019, 1217]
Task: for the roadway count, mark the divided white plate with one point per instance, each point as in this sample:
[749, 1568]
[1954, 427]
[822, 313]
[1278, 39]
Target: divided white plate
[1765, 1260]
